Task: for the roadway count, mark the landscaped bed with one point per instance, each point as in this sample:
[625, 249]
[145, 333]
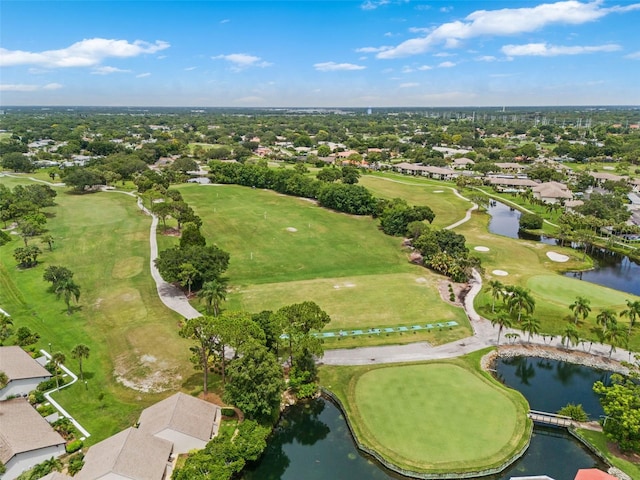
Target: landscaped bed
[441, 416]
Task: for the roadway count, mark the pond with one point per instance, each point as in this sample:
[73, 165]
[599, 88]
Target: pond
[612, 269]
[312, 441]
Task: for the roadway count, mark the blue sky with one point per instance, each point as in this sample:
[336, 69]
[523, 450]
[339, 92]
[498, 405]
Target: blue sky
[319, 53]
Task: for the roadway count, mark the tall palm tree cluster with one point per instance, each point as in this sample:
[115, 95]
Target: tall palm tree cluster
[610, 332]
[517, 306]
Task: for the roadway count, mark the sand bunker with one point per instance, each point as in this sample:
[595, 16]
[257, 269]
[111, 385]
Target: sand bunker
[557, 257]
[344, 285]
[438, 191]
[500, 273]
[481, 249]
[291, 229]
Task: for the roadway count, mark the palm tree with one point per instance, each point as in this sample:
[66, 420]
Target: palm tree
[580, 308]
[79, 352]
[531, 325]
[615, 336]
[606, 319]
[57, 359]
[633, 312]
[214, 292]
[48, 239]
[503, 321]
[69, 289]
[570, 336]
[495, 287]
[521, 299]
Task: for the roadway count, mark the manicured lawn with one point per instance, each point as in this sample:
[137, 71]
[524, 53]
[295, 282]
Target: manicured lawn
[275, 238]
[103, 239]
[437, 195]
[358, 275]
[362, 302]
[436, 416]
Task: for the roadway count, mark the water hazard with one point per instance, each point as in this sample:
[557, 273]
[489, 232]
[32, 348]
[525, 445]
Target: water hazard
[612, 269]
[312, 442]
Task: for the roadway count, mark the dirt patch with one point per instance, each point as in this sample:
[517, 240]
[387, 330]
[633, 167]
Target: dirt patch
[171, 232]
[291, 229]
[629, 457]
[145, 374]
[459, 291]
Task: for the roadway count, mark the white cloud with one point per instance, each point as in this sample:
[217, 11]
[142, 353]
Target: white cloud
[372, 49]
[446, 65]
[333, 66]
[409, 85]
[446, 9]
[407, 69]
[634, 55]
[444, 54]
[188, 69]
[486, 58]
[373, 4]
[24, 87]
[143, 75]
[242, 61]
[504, 22]
[86, 53]
[423, 68]
[226, 20]
[546, 50]
[108, 70]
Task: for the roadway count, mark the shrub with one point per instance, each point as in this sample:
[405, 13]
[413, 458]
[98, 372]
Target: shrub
[307, 390]
[530, 221]
[228, 412]
[76, 462]
[575, 412]
[36, 397]
[74, 446]
[51, 383]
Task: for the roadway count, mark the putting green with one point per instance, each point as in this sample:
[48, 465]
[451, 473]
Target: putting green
[438, 417]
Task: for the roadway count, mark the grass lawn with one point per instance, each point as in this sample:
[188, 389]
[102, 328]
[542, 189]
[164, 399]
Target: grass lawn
[437, 195]
[442, 416]
[527, 264]
[103, 239]
[600, 442]
[344, 263]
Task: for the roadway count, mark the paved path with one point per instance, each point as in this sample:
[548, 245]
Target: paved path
[467, 215]
[170, 295]
[484, 335]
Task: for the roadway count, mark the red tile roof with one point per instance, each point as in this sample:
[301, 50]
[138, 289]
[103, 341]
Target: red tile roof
[593, 474]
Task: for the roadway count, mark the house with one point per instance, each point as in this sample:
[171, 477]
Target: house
[552, 192]
[511, 166]
[128, 455]
[26, 438]
[188, 422]
[56, 476]
[601, 177]
[593, 474]
[462, 163]
[510, 184]
[23, 372]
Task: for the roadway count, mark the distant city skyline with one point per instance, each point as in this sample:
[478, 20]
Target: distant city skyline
[306, 53]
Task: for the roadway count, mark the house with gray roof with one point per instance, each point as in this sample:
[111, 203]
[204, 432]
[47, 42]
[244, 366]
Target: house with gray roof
[23, 372]
[188, 422]
[26, 438]
[128, 455]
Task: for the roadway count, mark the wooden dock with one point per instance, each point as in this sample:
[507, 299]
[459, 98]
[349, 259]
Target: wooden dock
[550, 419]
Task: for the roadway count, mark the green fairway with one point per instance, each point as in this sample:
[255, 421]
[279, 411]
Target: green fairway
[286, 250]
[104, 239]
[437, 195]
[435, 417]
[362, 302]
[275, 238]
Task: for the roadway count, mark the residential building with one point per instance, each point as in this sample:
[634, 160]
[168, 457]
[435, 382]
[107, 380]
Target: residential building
[593, 474]
[23, 372]
[128, 455]
[26, 439]
[188, 422]
[552, 192]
